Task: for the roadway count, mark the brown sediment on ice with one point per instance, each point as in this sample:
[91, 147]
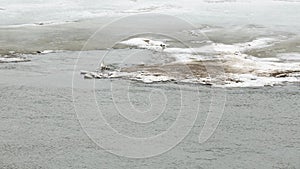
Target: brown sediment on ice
[198, 69]
[204, 69]
[179, 70]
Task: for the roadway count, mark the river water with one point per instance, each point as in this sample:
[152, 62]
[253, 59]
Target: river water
[191, 84]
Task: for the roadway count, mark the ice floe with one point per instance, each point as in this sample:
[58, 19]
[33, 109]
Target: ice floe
[289, 56]
[145, 43]
[10, 59]
[239, 68]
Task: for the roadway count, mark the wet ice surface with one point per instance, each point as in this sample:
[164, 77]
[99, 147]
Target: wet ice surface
[39, 127]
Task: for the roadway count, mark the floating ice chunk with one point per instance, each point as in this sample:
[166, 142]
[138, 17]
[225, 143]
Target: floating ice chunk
[214, 48]
[151, 78]
[83, 72]
[145, 43]
[256, 44]
[13, 59]
[240, 70]
[241, 47]
[47, 51]
[269, 59]
[88, 76]
[225, 48]
[289, 56]
[250, 80]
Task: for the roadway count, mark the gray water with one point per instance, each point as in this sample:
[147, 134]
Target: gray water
[39, 127]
